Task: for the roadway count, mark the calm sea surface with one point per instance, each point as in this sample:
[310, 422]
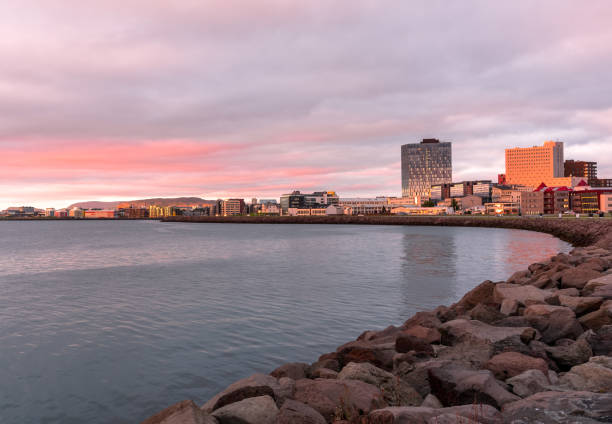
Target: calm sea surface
[111, 321]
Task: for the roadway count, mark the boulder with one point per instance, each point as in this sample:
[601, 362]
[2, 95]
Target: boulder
[580, 305]
[450, 419]
[469, 354]
[431, 401]
[380, 355]
[324, 373]
[568, 292]
[519, 277]
[481, 294]
[294, 370]
[285, 390]
[560, 407]
[253, 410]
[485, 313]
[522, 294]
[418, 377]
[254, 386]
[396, 391]
[601, 341]
[510, 364]
[577, 277]
[454, 385]
[553, 322]
[428, 335]
[339, 399]
[384, 336]
[599, 287]
[484, 414]
[461, 330]
[427, 319]
[593, 376]
[509, 307]
[597, 319]
[294, 412]
[331, 364]
[406, 343]
[184, 412]
[529, 382]
[574, 354]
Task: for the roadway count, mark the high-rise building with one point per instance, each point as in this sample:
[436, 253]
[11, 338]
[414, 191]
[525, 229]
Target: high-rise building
[425, 164]
[231, 207]
[531, 166]
[580, 168]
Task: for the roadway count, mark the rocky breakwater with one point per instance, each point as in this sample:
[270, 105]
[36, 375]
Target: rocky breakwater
[536, 348]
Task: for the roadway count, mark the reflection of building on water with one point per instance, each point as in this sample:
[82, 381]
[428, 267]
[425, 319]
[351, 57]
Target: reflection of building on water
[428, 266]
[441, 264]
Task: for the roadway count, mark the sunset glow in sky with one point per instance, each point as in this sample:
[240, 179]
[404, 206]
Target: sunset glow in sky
[112, 100]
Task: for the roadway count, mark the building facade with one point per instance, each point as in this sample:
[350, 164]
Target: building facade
[580, 168]
[233, 207]
[531, 166]
[425, 164]
[298, 200]
[605, 202]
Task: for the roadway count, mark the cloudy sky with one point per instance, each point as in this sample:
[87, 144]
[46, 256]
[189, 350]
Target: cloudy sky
[129, 99]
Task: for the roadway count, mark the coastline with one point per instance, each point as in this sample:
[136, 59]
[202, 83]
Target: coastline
[537, 346]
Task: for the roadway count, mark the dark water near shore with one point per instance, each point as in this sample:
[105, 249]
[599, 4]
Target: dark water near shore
[109, 322]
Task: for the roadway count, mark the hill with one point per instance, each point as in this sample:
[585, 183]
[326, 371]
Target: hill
[143, 203]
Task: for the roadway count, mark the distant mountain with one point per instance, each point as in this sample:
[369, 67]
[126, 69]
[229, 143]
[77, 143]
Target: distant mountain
[144, 203]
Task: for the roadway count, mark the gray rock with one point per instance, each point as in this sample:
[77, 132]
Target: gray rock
[581, 305]
[184, 412]
[529, 383]
[597, 319]
[396, 391]
[553, 322]
[460, 330]
[560, 407]
[324, 373]
[453, 385]
[599, 287]
[593, 376]
[254, 410]
[418, 377]
[509, 307]
[431, 401]
[522, 294]
[567, 356]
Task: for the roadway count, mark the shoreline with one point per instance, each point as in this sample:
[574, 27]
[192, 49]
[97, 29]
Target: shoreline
[536, 347]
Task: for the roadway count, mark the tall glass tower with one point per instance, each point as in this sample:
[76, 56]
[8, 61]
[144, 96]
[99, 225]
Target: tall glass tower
[424, 164]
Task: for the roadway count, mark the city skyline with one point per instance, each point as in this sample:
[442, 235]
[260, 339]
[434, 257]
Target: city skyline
[148, 99]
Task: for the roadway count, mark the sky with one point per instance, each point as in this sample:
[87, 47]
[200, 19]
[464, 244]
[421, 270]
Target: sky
[118, 100]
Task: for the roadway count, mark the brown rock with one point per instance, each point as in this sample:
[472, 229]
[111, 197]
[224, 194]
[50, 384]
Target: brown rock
[510, 364]
[428, 335]
[484, 313]
[482, 293]
[380, 355]
[581, 305]
[184, 412]
[553, 322]
[254, 410]
[406, 343]
[519, 277]
[331, 364]
[593, 376]
[485, 414]
[601, 341]
[253, 386]
[598, 318]
[294, 370]
[418, 377]
[509, 307]
[324, 373]
[461, 330]
[577, 277]
[294, 412]
[395, 390]
[339, 398]
[522, 294]
[529, 383]
[599, 287]
[425, 318]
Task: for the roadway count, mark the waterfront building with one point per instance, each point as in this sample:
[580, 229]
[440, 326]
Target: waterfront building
[508, 194]
[580, 168]
[395, 202]
[531, 166]
[298, 200]
[546, 200]
[337, 210]
[365, 206]
[502, 208]
[133, 213]
[233, 207]
[481, 188]
[421, 210]
[97, 213]
[269, 208]
[600, 182]
[320, 211]
[425, 164]
[50, 212]
[605, 202]
[440, 191]
[24, 211]
[466, 202]
[76, 212]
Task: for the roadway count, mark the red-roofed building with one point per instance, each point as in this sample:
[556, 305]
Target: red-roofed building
[546, 200]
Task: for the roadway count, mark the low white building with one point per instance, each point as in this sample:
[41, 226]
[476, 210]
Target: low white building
[419, 210]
